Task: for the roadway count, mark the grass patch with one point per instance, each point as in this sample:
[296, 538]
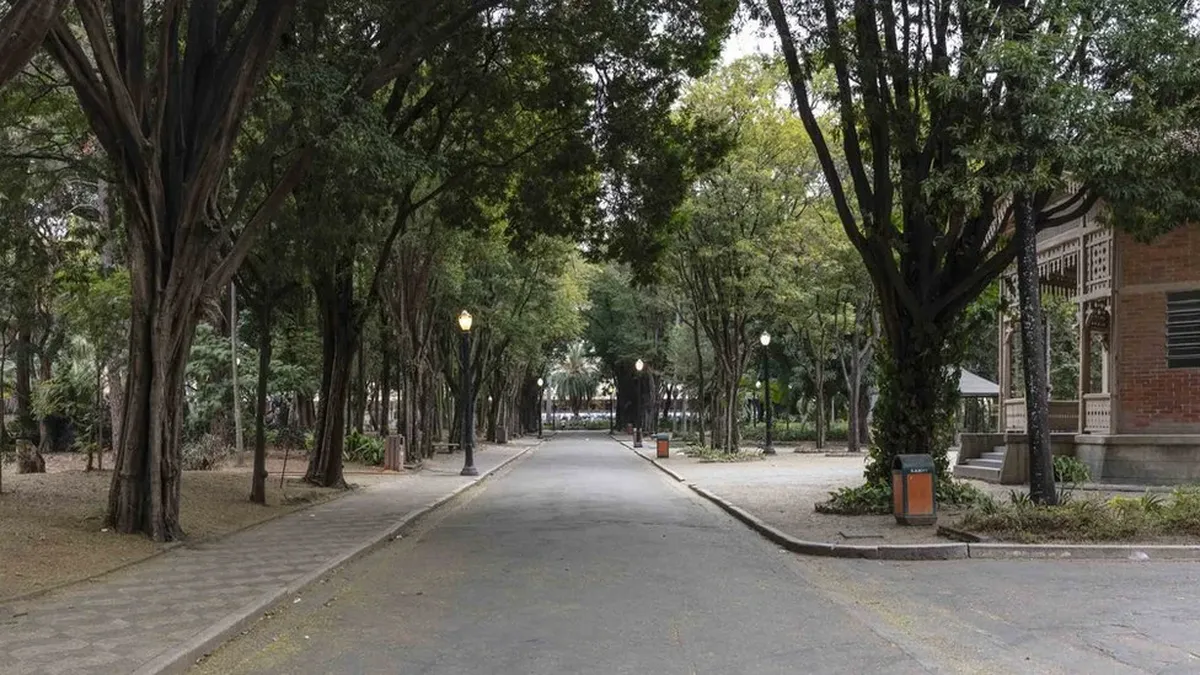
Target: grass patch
[1151, 516]
[707, 455]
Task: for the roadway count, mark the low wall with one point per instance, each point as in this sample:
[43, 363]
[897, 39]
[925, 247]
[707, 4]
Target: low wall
[1141, 459]
[972, 446]
[1016, 459]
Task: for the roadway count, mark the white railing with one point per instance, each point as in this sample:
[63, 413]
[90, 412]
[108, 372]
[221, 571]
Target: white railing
[1097, 413]
[1014, 414]
[1064, 416]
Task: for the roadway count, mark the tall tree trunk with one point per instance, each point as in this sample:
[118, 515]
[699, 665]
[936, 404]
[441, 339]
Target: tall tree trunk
[23, 391]
[821, 420]
[1033, 359]
[233, 359]
[700, 381]
[385, 389]
[339, 337]
[914, 412]
[360, 391]
[258, 483]
[144, 496]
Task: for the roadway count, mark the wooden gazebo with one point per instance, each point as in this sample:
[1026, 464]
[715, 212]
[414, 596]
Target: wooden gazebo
[1135, 416]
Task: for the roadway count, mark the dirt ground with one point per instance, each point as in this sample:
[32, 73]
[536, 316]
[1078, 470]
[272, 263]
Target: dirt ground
[52, 525]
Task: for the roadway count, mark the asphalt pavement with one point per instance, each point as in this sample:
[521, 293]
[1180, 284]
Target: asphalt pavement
[583, 558]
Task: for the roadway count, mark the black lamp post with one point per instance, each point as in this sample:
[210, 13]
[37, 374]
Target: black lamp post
[637, 419]
[769, 445]
[541, 404]
[468, 409]
[608, 391]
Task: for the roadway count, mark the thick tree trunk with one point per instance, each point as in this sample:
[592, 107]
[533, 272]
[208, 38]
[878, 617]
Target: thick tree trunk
[258, 482]
[1033, 359]
[27, 427]
[914, 413]
[144, 496]
[339, 337]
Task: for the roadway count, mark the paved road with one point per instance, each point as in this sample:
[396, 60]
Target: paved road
[585, 559]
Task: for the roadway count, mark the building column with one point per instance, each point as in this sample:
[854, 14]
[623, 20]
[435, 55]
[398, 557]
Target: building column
[1085, 367]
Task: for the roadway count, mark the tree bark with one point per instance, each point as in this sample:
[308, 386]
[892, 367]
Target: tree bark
[339, 340]
[144, 496]
[258, 483]
[385, 386]
[23, 389]
[22, 30]
[1033, 359]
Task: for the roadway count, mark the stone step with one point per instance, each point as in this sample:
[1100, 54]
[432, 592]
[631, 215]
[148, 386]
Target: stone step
[990, 463]
[994, 455]
[984, 473]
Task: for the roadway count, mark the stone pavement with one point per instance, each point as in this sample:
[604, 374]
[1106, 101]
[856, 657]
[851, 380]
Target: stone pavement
[140, 618]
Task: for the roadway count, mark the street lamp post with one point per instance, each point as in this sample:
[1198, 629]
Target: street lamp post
[608, 389]
[468, 409]
[637, 426]
[769, 445]
[541, 404]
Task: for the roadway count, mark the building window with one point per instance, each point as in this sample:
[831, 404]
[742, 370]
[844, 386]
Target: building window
[1183, 330]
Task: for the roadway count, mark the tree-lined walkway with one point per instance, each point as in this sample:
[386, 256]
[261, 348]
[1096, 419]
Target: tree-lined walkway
[582, 559]
[123, 621]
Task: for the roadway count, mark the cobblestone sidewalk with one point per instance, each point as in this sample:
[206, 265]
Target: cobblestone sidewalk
[148, 616]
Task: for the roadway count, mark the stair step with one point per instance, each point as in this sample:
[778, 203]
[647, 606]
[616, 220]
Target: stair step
[984, 473]
[990, 463]
[994, 455]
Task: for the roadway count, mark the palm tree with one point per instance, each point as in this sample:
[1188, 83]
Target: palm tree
[576, 376]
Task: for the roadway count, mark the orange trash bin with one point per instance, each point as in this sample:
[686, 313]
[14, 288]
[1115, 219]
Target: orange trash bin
[913, 490]
[663, 446]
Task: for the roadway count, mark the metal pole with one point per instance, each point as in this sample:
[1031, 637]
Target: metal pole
[769, 445]
[467, 424]
[541, 408]
[637, 415]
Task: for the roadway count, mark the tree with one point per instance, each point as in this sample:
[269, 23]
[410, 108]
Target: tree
[165, 92]
[739, 221]
[929, 98]
[575, 377]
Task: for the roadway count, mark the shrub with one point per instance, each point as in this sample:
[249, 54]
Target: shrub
[1115, 519]
[836, 433]
[1070, 470]
[862, 500]
[707, 453]
[205, 454]
[363, 449]
[876, 498]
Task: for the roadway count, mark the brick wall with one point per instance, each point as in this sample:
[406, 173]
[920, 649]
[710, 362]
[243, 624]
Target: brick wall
[1154, 398]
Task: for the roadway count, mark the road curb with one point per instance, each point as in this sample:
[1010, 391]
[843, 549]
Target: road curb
[947, 551]
[1001, 551]
[952, 551]
[179, 659]
[654, 461]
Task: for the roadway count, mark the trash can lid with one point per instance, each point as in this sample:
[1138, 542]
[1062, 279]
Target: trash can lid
[662, 437]
[913, 463]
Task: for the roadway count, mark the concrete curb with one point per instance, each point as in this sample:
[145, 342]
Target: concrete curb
[947, 551]
[179, 659]
[950, 551]
[1000, 551]
[654, 461]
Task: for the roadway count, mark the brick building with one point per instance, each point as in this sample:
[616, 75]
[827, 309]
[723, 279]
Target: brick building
[1136, 414]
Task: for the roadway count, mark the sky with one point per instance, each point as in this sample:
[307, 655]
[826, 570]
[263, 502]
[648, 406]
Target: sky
[749, 37]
